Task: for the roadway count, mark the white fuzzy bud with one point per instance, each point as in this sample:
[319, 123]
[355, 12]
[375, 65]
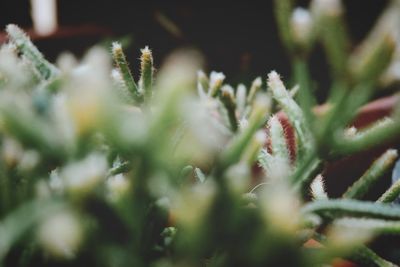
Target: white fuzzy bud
[66, 62]
[29, 160]
[327, 7]
[81, 177]
[227, 89]
[241, 99]
[342, 233]
[216, 80]
[64, 124]
[275, 83]
[237, 178]
[350, 132]
[190, 205]
[61, 235]
[56, 184]
[12, 151]
[260, 137]
[318, 188]
[302, 25]
[117, 186]
[280, 206]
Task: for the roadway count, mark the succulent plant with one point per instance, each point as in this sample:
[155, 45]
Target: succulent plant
[99, 168]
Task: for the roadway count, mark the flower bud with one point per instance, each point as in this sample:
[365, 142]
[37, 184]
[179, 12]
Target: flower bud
[117, 185]
[216, 80]
[61, 235]
[302, 26]
[81, 177]
[327, 7]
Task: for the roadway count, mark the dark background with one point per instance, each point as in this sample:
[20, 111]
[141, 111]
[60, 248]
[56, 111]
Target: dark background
[236, 37]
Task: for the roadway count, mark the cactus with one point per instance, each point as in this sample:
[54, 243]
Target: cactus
[101, 170]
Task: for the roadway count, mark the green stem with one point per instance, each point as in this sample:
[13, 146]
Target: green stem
[391, 194]
[283, 11]
[372, 175]
[228, 100]
[364, 255]
[278, 141]
[122, 64]
[335, 40]
[349, 207]
[120, 168]
[234, 151]
[385, 131]
[328, 123]
[46, 70]
[146, 78]
[375, 226]
[4, 190]
[361, 255]
[306, 173]
[15, 224]
[306, 98]
[294, 113]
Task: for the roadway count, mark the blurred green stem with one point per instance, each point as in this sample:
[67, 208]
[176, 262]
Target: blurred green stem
[305, 95]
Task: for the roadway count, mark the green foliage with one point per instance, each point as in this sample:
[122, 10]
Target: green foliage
[98, 170]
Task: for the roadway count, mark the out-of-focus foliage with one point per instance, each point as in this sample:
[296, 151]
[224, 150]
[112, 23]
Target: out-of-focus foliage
[99, 168]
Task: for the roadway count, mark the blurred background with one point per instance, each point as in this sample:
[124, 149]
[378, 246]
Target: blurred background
[236, 37]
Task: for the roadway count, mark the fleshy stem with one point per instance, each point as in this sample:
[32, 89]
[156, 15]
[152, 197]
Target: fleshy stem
[391, 194]
[305, 173]
[371, 176]
[306, 98]
[350, 207]
[46, 70]
[383, 130]
[234, 151]
[376, 226]
[283, 11]
[293, 111]
[122, 64]
[361, 255]
[278, 141]
[255, 87]
[146, 78]
[335, 40]
[227, 98]
[22, 219]
[365, 255]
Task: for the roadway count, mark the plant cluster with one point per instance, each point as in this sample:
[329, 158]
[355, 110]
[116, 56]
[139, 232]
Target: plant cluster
[98, 168]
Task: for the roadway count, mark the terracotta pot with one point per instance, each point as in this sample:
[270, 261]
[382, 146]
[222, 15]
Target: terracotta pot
[342, 173]
[336, 262]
